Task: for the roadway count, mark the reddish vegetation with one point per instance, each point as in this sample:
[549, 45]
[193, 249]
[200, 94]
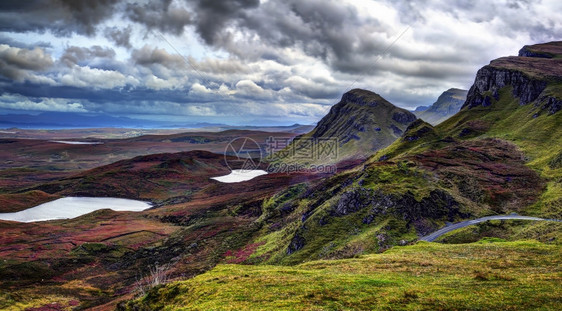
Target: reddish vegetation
[15, 180]
[49, 307]
[241, 255]
[488, 171]
[201, 220]
[155, 177]
[45, 240]
[43, 154]
[20, 201]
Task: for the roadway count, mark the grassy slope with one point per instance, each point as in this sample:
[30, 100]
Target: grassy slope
[327, 236]
[15, 202]
[489, 275]
[538, 138]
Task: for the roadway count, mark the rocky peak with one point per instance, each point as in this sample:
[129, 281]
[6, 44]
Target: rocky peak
[362, 122]
[355, 112]
[363, 98]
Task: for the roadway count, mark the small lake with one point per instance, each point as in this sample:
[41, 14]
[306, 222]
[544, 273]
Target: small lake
[70, 142]
[239, 175]
[72, 207]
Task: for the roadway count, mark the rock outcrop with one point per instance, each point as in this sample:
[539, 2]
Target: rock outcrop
[528, 74]
[491, 79]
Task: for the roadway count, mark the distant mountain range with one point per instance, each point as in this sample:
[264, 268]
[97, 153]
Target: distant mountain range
[448, 103]
[72, 120]
[48, 120]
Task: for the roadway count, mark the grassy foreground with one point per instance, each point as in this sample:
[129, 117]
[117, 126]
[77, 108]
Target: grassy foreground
[487, 275]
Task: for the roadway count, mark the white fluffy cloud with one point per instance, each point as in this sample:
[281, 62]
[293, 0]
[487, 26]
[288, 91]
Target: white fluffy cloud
[20, 64]
[86, 77]
[17, 102]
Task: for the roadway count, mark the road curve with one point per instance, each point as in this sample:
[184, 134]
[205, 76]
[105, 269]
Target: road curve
[432, 236]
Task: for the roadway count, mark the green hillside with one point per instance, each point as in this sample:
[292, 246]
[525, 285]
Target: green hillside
[489, 275]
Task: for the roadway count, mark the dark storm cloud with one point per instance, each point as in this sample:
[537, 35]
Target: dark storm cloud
[318, 26]
[334, 31]
[124, 94]
[159, 15]
[147, 56]
[213, 15]
[62, 17]
[121, 37]
[74, 55]
[329, 30]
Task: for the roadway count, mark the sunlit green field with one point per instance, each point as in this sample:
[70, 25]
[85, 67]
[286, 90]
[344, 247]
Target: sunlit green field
[487, 275]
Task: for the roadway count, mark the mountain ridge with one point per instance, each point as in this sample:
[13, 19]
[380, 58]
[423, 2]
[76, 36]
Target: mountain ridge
[361, 122]
[447, 104]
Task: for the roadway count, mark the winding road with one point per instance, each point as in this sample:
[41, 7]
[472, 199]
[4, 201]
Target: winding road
[431, 237]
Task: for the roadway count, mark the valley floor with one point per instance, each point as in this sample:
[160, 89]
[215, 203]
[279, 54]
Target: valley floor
[491, 274]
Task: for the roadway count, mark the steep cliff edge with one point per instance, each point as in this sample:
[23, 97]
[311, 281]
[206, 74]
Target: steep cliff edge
[529, 74]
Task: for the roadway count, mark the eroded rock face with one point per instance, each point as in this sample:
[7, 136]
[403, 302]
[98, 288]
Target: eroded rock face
[439, 204]
[296, 244]
[551, 104]
[528, 74]
[491, 79]
[420, 214]
[353, 201]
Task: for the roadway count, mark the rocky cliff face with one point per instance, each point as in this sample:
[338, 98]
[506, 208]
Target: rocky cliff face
[491, 79]
[528, 74]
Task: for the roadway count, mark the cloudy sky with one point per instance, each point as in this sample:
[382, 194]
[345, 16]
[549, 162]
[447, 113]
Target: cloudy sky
[251, 61]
